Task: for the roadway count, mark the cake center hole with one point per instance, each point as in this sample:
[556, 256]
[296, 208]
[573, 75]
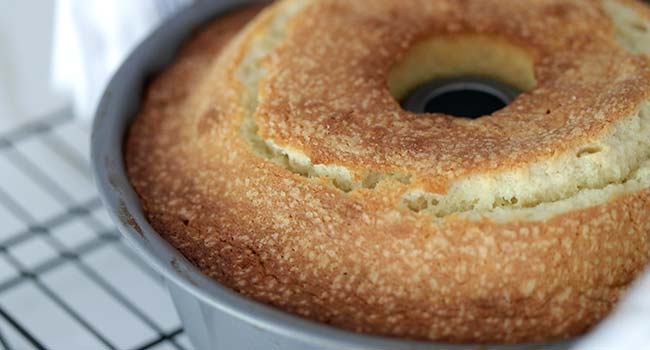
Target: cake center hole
[465, 97]
[463, 75]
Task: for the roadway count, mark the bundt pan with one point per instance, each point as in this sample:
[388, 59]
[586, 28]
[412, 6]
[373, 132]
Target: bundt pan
[215, 317]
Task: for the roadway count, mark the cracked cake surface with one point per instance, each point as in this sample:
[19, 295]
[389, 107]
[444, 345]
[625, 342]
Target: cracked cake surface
[274, 155]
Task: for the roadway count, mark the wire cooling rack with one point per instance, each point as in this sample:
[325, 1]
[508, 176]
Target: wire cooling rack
[67, 281]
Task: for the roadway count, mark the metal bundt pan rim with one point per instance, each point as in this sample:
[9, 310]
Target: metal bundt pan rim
[117, 109]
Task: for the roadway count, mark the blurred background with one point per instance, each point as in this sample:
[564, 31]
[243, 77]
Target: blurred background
[25, 90]
[66, 279]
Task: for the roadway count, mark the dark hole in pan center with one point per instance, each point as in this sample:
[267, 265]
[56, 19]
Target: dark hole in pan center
[464, 97]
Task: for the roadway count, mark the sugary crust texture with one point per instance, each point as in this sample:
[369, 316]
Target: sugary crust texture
[575, 61]
[356, 260]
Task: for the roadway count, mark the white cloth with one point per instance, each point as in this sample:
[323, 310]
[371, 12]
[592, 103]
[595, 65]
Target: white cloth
[92, 38]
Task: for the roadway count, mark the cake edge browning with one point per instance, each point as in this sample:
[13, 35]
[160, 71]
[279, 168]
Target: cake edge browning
[394, 273]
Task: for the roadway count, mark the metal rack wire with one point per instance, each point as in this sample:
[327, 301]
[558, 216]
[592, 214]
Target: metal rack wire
[66, 279]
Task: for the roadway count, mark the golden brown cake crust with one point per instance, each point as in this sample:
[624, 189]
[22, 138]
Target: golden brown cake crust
[359, 259]
[349, 126]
